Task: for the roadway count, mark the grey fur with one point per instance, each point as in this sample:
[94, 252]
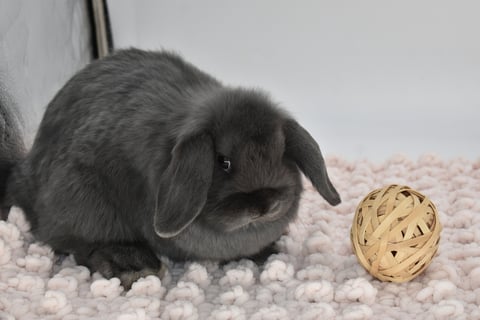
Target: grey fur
[124, 166]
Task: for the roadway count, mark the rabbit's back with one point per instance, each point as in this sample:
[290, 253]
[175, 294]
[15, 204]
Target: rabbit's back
[128, 90]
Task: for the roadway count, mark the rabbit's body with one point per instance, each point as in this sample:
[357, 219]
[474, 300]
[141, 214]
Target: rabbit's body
[142, 155]
[85, 174]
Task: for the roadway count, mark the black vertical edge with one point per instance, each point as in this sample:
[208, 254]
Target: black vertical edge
[108, 26]
[101, 31]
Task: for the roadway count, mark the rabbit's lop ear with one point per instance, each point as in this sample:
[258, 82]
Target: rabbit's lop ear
[302, 148]
[184, 185]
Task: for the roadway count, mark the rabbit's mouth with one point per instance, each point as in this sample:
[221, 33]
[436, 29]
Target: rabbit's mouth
[233, 220]
[241, 210]
[247, 221]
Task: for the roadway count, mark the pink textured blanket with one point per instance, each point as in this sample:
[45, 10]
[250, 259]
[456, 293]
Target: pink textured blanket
[316, 275]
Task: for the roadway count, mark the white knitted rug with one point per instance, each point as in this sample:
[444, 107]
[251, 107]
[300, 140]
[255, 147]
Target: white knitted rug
[315, 277]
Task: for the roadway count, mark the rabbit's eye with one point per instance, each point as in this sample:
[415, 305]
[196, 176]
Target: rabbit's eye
[224, 163]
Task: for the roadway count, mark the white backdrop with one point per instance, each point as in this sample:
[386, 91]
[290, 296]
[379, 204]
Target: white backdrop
[42, 44]
[367, 78]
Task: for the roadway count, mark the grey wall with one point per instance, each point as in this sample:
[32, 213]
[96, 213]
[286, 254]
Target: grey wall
[368, 78]
[42, 43]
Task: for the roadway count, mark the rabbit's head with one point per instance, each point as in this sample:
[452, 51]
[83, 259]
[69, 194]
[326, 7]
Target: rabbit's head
[236, 163]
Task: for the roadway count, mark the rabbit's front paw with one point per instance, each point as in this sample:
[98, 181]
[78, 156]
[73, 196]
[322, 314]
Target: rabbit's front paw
[126, 262]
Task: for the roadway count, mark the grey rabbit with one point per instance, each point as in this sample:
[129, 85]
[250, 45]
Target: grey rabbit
[142, 155]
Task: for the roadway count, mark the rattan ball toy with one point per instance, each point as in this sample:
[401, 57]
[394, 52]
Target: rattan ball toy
[395, 233]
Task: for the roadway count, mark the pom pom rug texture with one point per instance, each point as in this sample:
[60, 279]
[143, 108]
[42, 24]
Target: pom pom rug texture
[315, 276]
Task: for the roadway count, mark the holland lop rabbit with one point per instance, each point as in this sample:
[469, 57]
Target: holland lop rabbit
[142, 155]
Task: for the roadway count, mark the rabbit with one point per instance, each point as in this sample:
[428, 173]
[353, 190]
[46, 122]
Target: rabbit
[142, 155]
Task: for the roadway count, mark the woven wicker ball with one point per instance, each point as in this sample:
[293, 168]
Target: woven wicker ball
[395, 233]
